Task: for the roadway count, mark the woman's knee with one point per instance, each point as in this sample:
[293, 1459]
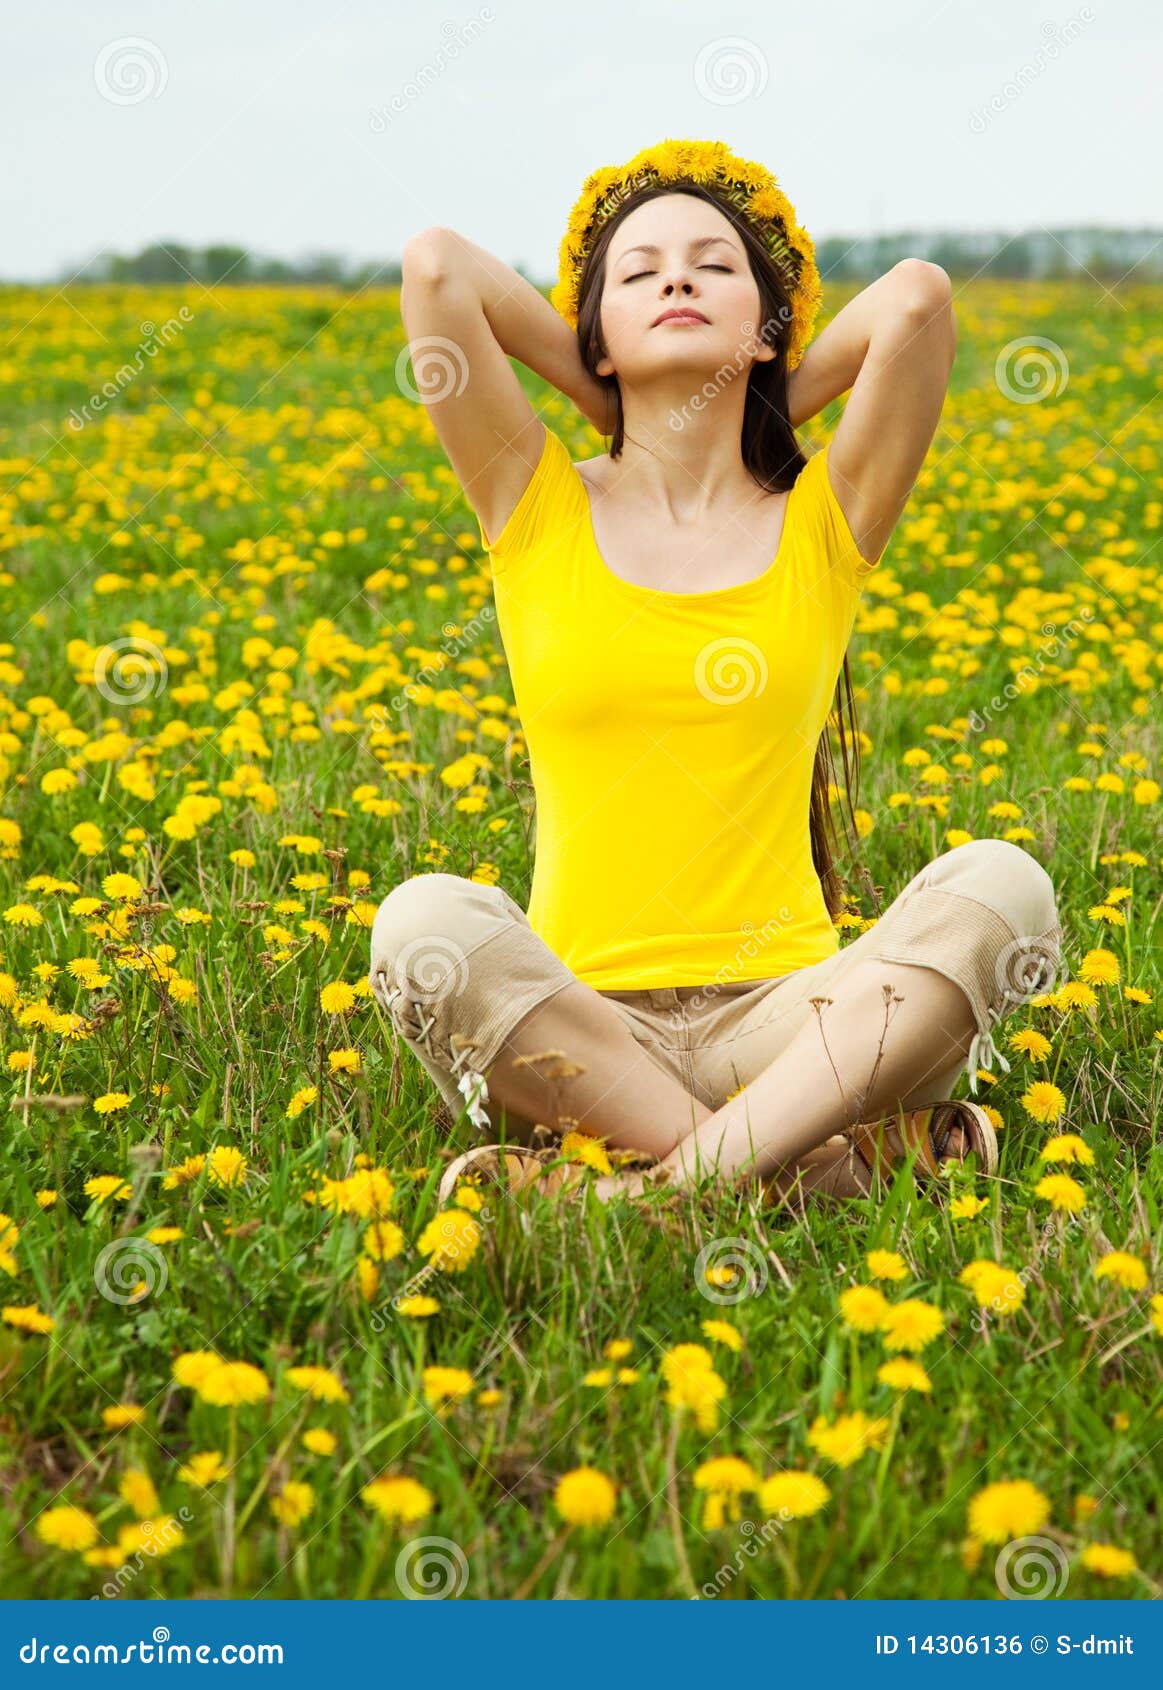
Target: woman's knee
[999, 873]
[422, 934]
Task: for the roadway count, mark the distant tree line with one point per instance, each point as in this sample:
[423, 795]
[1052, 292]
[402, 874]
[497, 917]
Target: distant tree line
[1109, 254]
[174, 262]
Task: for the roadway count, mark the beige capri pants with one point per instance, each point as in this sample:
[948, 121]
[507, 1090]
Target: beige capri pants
[456, 966]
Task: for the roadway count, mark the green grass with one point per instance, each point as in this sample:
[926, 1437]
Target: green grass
[276, 418]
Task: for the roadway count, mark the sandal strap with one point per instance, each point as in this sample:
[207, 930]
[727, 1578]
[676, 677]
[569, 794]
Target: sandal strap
[914, 1128]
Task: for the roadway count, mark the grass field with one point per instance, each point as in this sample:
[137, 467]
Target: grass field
[236, 1357]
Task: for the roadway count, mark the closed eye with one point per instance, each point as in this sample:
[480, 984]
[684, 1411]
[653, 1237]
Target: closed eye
[725, 268]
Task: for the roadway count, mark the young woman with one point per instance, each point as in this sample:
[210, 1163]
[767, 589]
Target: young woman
[675, 615]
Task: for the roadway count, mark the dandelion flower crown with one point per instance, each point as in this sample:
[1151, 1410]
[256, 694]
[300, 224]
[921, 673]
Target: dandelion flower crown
[747, 186]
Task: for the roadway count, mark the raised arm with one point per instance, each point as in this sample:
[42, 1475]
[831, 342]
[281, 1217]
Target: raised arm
[465, 314]
[893, 346]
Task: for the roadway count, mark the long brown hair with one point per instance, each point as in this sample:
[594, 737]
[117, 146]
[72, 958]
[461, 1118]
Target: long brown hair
[773, 457]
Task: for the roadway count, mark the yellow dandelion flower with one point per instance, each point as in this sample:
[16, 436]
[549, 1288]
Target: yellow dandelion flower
[903, 1374]
[232, 1383]
[793, 1494]
[1043, 1101]
[994, 1286]
[383, 1241]
[164, 1234]
[193, 1366]
[966, 1208]
[1008, 1509]
[1067, 1147]
[23, 915]
[863, 1308]
[26, 1317]
[1062, 1192]
[585, 1496]
[446, 1384]
[123, 1414]
[451, 1240]
[1126, 1270]
[844, 1440]
[585, 1148]
[183, 1173]
[227, 1165]
[203, 1469]
[137, 1488]
[725, 1479]
[722, 1332]
[293, 1503]
[1108, 1561]
[728, 1473]
[318, 1382]
[911, 1325]
[1099, 967]
[122, 888]
[886, 1264]
[396, 1497]
[319, 1441]
[67, 1528]
[111, 1102]
[1030, 1043]
[417, 1307]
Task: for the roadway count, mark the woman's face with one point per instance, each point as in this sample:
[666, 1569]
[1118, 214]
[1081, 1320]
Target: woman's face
[678, 252]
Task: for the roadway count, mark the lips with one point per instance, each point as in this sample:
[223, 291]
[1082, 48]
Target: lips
[688, 316]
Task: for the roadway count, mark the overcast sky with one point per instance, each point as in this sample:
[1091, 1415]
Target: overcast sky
[290, 126]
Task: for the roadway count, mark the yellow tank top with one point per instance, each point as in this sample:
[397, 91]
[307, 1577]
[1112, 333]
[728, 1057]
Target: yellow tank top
[671, 740]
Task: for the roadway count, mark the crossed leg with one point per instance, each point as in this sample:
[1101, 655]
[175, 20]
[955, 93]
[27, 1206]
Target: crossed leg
[889, 1028]
[887, 1035]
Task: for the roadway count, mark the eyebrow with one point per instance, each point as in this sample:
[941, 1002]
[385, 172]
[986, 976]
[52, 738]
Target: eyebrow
[695, 246]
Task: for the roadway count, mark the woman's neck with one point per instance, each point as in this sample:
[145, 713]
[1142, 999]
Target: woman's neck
[682, 452]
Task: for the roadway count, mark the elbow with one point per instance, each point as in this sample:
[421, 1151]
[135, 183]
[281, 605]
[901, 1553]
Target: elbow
[427, 257]
[923, 289]
[925, 298]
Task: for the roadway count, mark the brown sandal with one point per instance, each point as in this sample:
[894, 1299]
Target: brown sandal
[882, 1145]
[515, 1168]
